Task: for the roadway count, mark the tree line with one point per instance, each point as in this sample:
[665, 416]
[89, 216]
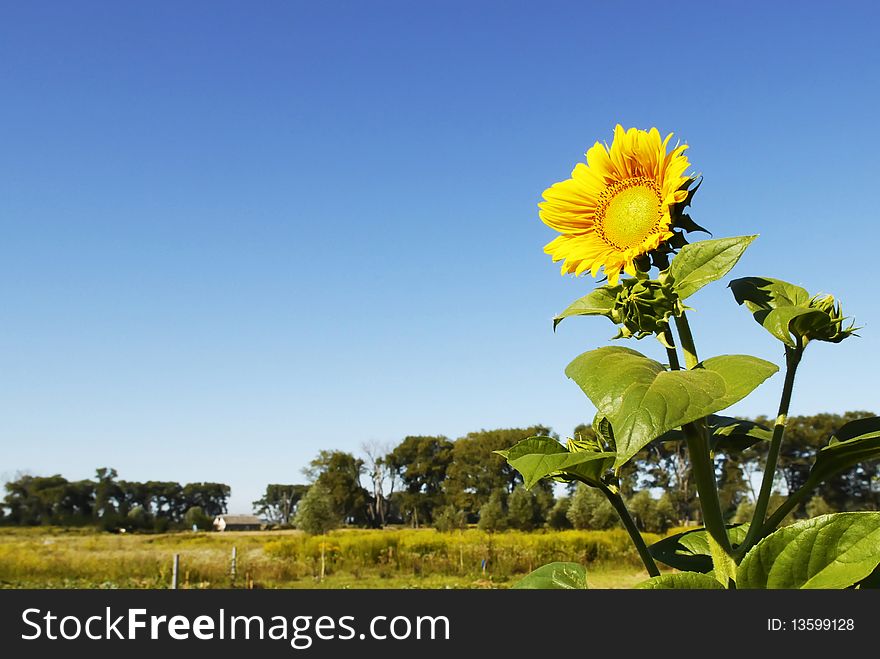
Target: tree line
[432, 480]
[435, 481]
[111, 503]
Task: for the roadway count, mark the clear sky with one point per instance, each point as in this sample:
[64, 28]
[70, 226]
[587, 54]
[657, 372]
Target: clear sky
[233, 234]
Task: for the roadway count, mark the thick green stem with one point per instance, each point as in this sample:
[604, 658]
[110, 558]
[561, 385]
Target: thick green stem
[702, 462]
[703, 466]
[756, 530]
[631, 528]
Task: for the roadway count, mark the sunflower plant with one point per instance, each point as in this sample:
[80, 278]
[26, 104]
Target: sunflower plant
[624, 213]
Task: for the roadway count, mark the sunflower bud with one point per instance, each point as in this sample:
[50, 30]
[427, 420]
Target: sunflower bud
[789, 313]
[827, 325]
[643, 306]
[598, 438]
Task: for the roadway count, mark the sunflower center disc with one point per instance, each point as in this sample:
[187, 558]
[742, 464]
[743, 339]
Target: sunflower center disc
[630, 213]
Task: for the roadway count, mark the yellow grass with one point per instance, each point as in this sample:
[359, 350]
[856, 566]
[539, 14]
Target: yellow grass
[404, 558]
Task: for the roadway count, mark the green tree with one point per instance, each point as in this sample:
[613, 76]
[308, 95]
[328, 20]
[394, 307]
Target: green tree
[134, 495]
[210, 497]
[493, 516]
[667, 514]
[316, 513]
[476, 472]
[522, 509]
[732, 486]
[166, 499]
[421, 463]
[589, 509]
[138, 518]
[339, 474]
[854, 489]
[279, 502]
[196, 517]
[33, 500]
[557, 518]
[650, 514]
[449, 518]
[108, 494]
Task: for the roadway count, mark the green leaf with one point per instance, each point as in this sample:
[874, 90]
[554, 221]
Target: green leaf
[831, 551]
[690, 550]
[765, 293]
[787, 321]
[539, 444]
[643, 400]
[599, 302]
[856, 442]
[589, 466]
[538, 457]
[557, 576]
[701, 263]
[682, 581]
[729, 434]
[724, 565]
[776, 305]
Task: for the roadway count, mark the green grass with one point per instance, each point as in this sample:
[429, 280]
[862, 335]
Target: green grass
[405, 558]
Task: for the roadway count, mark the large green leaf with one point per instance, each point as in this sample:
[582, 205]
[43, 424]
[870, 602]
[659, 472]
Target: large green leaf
[856, 442]
[701, 263]
[599, 302]
[682, 581]
[557, 576]
[831, 551]
[690, 550]
[727, 433]
[643, 400]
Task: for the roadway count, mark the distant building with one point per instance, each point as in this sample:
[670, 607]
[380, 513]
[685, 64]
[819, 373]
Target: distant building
[237, 523]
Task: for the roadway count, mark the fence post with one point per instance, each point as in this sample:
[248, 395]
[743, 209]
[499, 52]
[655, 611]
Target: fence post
[232, 564]
[174, 572]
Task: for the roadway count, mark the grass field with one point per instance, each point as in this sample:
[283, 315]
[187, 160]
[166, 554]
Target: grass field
[44, 557]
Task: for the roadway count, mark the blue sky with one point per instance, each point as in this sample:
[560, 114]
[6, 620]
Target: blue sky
[234, 234]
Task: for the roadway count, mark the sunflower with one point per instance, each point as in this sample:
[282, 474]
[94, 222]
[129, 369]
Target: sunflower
[620, 207]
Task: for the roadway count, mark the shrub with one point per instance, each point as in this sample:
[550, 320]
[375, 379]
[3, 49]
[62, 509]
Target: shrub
[557, 518]
[492, 515]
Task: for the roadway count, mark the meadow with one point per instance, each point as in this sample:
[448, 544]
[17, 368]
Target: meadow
[51, 557]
